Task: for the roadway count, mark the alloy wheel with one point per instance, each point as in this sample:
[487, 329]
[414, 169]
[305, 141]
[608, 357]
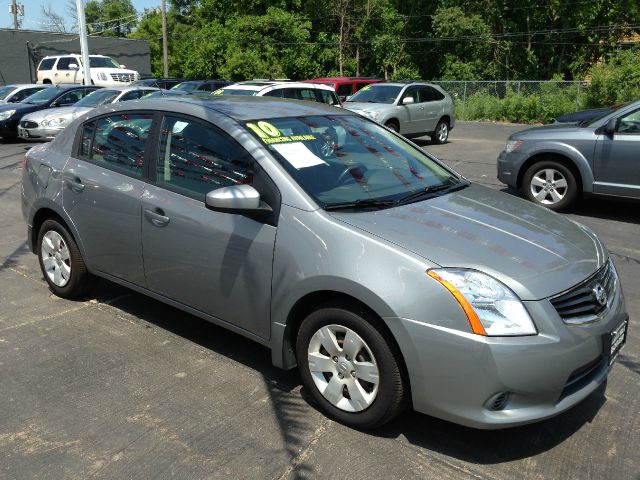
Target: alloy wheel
[55, 258]
[549, 186]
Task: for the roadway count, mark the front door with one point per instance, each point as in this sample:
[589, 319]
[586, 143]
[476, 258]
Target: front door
[617, 159]
[412, 119]
[103, 187]
[217, 263]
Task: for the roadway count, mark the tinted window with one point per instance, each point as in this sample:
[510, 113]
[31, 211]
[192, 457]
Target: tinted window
[328, 97]
[377, 93]
[24, 93]
[195, 158]
[64, 62]
[86, 139]
[133, 95]
[308, 94]
[344, 90]
[630, 123]
[274, 93]
[429, 94]
[119, 141]
[411, 92]
[47, 64]
[207, 87]
[71, 97]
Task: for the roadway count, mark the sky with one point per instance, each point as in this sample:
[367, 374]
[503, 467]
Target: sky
[33, 19]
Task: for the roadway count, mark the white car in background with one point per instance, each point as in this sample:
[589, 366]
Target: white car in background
[17, 92]
[104, 70]
[288, 90]
[46, 124]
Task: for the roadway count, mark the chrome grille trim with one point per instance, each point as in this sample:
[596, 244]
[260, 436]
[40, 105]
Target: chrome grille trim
[123, 77]
[578, 305]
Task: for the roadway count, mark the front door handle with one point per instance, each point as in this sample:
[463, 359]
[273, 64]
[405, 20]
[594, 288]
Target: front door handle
[75, 184]
[156, 217]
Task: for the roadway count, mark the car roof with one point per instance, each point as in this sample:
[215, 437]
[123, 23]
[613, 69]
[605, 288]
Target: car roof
[239, 108]
[343, 79]
[260, 85]
[71, 55]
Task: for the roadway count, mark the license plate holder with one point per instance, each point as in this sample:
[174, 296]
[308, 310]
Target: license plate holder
[615, 340]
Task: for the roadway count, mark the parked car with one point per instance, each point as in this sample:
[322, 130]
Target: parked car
[556, 165]
[59, 96]
[164, 83]
[104, 71]
[413, 109]
[345, 86]
[174, 93]
[46, 124]
[386, 277]
[584, 115]
[17, 92]
[197, 86]
[290, 90]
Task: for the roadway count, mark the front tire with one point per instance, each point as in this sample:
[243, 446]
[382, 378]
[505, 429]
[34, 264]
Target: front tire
[352, 373]
[441, 135]
[392, 125]
[61, 262]
[551, 185]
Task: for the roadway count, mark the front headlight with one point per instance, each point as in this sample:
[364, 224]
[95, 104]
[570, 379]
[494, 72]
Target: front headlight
[58, 122]
[6, 114]
[371, 115]
[490, 306]
[512, 145]
[102, 76]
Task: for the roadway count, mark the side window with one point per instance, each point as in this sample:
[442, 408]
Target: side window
[308, 94]
[86, 139]
[411, 92]
[206, 87]
[70, 98]
[64, 62]
[119, 141]
[133, 95]
[430, 94]
[22, 94]
[291, 93]
[195, 158]
[630, 124]
[47, 64]
[274, 93]
[328, 97]
[345, 90]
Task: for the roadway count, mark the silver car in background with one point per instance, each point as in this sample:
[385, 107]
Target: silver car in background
[412, 109]
[17, 92]
[386, 277]
[46, 124]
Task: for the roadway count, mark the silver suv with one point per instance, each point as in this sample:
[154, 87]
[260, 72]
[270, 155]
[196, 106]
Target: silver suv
[555, 165]
[413, 109]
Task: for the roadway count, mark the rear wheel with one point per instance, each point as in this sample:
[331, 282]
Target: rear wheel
[441, 135]
[348, 367]
[550, 184]
[60, 261]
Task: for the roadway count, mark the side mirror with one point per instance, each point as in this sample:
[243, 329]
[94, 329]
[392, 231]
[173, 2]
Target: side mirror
[611, 126]
[123, 66]
[240, 199]
[73, 66]
[407, 101]
[345, 98]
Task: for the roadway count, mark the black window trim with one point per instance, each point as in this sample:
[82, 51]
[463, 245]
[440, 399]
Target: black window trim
[77, 143]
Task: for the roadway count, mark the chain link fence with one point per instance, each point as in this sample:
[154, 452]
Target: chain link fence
[522, 101]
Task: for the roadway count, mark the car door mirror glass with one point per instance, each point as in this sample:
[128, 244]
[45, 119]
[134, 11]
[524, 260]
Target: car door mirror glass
[233, 198]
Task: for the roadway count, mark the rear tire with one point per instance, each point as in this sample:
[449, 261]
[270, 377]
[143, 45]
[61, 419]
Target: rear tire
[550, 184]
[358, 377]
[61, 262]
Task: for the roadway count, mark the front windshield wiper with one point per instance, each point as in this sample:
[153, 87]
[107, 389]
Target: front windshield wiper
[361, 204]
[431, 191]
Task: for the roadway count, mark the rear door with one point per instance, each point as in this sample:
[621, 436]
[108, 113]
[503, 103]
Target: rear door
[617, 158]
[103, 188]
[217, 263]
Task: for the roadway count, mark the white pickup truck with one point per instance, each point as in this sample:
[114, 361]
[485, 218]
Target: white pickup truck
[68, 68]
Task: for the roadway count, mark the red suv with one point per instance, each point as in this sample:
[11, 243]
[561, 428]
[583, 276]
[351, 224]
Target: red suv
[345, 86]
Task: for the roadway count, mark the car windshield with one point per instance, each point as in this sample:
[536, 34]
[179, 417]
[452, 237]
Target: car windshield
[235, 91]
[377, 94]
[99, 97]
[588, 123]
[42, 97]
[186, 86]
[5, 91]
[103, 62]
[348, 161]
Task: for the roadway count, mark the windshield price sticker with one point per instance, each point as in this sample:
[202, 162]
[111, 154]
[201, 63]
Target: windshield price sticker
[220, 91]
[270, 134]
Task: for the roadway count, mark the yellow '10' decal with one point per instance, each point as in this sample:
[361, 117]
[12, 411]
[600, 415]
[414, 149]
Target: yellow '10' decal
[264, 130]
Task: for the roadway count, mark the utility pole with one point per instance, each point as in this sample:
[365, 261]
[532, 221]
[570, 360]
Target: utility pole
[165, 51]
[84, 47]
[14, 10]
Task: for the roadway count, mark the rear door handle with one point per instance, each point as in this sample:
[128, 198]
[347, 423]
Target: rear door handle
[156, 217]
[75, 184]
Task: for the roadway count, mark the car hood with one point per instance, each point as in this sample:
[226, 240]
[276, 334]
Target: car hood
[534, 251]
[20, 107]
[369, 107]
[555, 130]
[70, 113]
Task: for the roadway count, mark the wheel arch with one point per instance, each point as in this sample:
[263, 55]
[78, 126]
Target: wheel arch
[580, 168]
[393, 120]
[44, 211]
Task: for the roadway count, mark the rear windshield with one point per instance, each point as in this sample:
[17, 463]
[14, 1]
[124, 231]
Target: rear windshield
[377, 94]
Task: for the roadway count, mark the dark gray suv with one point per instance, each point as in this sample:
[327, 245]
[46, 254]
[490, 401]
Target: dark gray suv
[555, 165]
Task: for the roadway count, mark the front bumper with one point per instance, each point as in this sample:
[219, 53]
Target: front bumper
[38, 133]
[509, 165]
[457, 376]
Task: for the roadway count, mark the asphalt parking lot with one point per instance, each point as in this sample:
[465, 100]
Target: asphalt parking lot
[122, 386]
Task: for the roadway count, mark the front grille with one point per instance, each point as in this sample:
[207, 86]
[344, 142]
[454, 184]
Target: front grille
[28, 124]
[123, 77]
[582, 376]
[582, 300]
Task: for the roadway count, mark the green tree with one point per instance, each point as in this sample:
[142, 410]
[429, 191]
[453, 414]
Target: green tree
[116, 18]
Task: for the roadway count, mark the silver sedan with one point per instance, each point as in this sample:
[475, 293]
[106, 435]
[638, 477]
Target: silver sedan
[46, 124]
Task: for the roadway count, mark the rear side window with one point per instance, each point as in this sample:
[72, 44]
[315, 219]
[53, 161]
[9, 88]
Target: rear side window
[47, 64]
[118, 142]
[274, 93]
[328, 97]
[133, 95]
[194, 158]
[71, 97]
[86, 139]
[345, 90]
[64, 62]
[430, 94]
